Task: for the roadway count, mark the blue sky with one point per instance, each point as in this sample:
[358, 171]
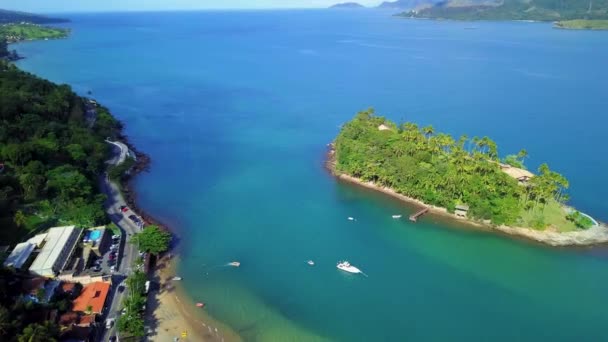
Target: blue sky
[149, 5]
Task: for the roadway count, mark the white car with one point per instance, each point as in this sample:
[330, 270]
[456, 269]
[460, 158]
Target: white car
[109, 323]
[115, 237]
[113, 268]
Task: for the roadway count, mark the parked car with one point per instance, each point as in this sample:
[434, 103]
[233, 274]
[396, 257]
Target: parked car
[111, 257]
[109, 323]
[124, 208]
[121, 288]
[98, 262]
[113, 268]
[96, 268]
[112, 339]
[113, 247]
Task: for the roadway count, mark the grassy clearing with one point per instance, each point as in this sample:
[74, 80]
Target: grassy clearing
[553, 215]
[582, 24]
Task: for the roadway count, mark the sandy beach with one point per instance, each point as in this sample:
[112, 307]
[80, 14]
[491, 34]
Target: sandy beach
[173, 316]
[592, 236]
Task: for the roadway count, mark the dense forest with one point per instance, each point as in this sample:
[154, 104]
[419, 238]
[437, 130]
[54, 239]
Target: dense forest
[446, 172]
[52, 150]
[7, 16]
[541, 10]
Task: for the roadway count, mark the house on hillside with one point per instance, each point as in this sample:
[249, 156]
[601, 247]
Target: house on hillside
[59, 245]
[522, 176]
[92, 298]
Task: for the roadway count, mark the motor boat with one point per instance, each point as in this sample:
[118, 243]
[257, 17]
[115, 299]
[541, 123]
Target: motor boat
[200, 305]
[396, 216]
[234, 264]
[176, 278]
[351, 218]
[347, 267]
[310, 262]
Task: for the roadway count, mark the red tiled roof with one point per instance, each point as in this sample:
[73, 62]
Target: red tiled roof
[68, 287]
[87, 320]
[93, 295]
[68, 318]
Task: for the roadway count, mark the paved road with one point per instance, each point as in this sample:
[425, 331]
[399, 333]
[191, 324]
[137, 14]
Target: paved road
[129, 253]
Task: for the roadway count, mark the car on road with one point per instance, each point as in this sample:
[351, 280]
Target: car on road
[124, 209]
[113, 248]
[116, 237]
[121, 288]
[98, 262]
[109, 323]
[113, 268]
[112, 339]
[111, 257]
[96, 268]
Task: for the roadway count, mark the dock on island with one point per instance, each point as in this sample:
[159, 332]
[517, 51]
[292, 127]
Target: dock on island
[414, 217]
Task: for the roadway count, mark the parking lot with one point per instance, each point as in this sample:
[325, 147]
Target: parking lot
[108, 262]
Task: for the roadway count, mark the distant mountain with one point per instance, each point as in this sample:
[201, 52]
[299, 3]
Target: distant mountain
[17, 17]
[541, 10]
[408, 4]
[349, 5]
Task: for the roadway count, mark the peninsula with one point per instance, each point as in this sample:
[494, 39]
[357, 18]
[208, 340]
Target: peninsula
[463, 178]
[586, 14]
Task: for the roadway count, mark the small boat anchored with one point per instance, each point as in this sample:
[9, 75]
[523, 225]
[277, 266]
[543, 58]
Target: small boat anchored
[347, 267]
[234, 264]
[200, 305]
[351, 218]
[396, 216]
[310, 262]
[176, 278]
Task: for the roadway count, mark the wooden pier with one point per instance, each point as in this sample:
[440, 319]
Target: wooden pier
[414, 217]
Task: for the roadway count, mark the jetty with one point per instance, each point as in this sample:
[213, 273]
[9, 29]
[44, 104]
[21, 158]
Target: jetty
[414, 217]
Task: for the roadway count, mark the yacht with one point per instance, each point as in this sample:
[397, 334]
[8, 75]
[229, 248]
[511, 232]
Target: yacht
[310, 262]
[347, 267]
[396, 216]
[234, 264]
[351, 218]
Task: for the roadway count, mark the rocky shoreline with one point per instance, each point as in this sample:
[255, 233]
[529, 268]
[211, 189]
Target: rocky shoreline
[592, 236]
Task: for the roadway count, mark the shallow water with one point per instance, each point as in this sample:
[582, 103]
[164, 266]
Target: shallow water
[235, 109]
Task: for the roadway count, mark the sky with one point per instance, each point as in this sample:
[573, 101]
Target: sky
[155, 5]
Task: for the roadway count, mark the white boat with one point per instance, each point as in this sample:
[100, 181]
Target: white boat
[310, 262]
[396, 216]
[347, 267]
[176, 278]
[351, 218]
[234, 264]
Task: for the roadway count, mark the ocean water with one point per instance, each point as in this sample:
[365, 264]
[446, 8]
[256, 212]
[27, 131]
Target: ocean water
[236, 109]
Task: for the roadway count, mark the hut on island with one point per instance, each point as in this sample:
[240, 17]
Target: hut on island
[384, 127]
[461, 210]
[522, 176]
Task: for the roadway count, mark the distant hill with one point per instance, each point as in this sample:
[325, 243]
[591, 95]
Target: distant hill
[349, 5]
[407, 4]
[541, 10]
[7, 16]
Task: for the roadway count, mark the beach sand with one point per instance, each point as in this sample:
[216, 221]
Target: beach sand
[171, 314]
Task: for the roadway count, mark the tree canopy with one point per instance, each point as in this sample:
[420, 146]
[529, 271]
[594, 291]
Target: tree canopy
[443, 171]
[152, 239]
[52, 155]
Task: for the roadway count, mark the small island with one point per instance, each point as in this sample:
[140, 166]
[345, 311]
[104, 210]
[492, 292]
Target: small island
[347, 5]
[463, 178]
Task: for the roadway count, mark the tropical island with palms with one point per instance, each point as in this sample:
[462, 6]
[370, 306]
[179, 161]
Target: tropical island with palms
[463, 177]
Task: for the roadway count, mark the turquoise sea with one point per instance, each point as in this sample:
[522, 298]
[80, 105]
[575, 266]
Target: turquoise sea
[236, 108]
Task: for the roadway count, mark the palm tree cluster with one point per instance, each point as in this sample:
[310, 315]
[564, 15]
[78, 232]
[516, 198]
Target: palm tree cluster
[440, 170]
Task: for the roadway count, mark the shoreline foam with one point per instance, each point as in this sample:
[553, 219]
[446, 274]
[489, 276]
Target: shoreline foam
[592, 236]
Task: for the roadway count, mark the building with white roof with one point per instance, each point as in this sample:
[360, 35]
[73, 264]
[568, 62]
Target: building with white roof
[58, 247]
[19, 255]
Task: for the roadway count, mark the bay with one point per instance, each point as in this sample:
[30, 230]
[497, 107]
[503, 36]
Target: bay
[236, 108]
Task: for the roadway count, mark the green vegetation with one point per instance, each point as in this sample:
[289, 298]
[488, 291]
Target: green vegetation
[118, 172]
[24, 320]
[17, 17]
[19, 32]
[579, 220]
[131, 322]
[442, 171]
[582, 24]
[51, 155]
[152, 240]
[540, 10]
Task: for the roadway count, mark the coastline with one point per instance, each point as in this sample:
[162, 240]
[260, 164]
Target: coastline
[175, 313]
[593, 236]
[172, 311]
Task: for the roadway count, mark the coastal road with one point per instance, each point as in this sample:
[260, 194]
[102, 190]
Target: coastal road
[128, 254]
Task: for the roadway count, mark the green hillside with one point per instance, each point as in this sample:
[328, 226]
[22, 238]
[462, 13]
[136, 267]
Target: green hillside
[540, 10]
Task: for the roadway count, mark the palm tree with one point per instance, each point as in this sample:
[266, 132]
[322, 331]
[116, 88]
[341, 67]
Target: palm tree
[523, 154]
[428, 131]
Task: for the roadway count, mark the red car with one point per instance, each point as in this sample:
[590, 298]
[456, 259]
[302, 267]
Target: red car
[112, 257]
[124, 208]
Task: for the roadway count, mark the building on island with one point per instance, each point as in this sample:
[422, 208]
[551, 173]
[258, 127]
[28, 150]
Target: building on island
[92, 298]
[20, 255]
[522, 176]
[59, 244]
[461, 210]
